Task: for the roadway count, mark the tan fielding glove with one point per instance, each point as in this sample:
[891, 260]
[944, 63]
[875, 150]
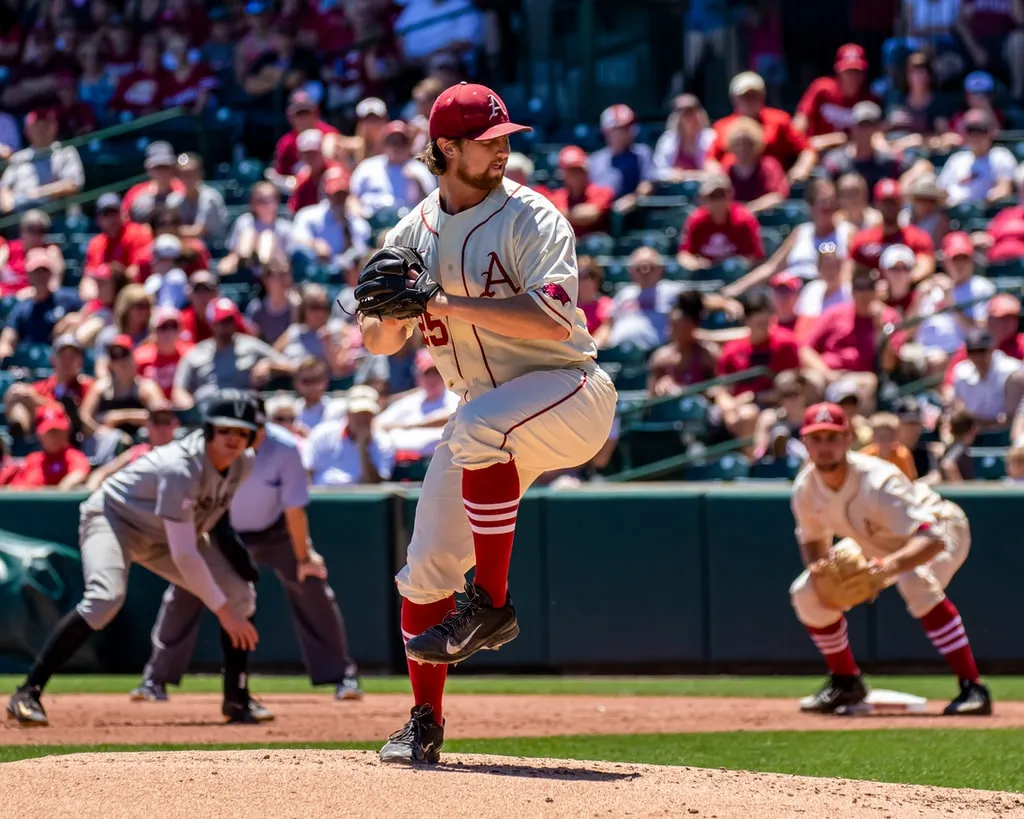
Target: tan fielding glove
[845, 578]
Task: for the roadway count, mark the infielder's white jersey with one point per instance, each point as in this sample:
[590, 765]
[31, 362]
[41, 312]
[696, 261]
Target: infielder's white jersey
[878, 506]
[515, 241]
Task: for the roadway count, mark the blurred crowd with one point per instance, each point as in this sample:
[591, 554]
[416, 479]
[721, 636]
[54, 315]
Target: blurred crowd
[845, 248]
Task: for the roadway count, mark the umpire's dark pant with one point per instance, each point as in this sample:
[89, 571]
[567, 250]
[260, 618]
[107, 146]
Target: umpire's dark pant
[314, 609]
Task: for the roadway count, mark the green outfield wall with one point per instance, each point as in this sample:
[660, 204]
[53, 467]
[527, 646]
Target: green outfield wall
[684, 577]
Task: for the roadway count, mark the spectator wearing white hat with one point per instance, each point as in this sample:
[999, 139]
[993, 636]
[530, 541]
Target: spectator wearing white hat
[371, 120]
[161, 167]
[982, 172]
[394, 179]
[624, 165]
[927, 207]
[781, 139]
[350, 451]
[896, 266]
[167, 282]
[520, 168]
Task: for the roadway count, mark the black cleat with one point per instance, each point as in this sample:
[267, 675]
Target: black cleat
[24, 706]
[841, 691]
[419, 740]
[246, 712]
[974, 701]
[474, 626]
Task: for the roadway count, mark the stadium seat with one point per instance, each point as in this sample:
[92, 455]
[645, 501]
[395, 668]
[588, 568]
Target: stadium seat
[626, 365]
[1010, 268]
[687, 410]
[595, 244]
[665, 242]
[961, 216]
[987, 467]
[656, 217]
[641, 446]
[30, 356]
[387, 218]
[727, 468]
[410, 471]
[687, 189]
[6, 305]
[772, 240]
[788, 214]
[990, 440]
[773, 469]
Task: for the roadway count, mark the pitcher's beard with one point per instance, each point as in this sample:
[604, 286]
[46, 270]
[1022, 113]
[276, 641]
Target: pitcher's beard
[481, 182]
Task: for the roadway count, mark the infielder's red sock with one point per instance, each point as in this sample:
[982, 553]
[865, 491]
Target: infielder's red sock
[427, 680]
[491, 497]
[834, 645]
[946, 631]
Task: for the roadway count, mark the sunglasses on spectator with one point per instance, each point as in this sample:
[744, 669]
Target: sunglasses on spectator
[119, 354]
[317, 305]
[976, 129]
[264, 200]
[310, 380]
[863, 286]
[162, 419]
[34, 229]
[168, 327]
[143, 304]
[283, 419]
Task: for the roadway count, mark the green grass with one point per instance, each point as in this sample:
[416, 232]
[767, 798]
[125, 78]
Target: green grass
[934, 687]
[967, 758]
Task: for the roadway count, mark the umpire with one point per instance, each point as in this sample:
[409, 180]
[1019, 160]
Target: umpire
[269, 515]
[157, 512]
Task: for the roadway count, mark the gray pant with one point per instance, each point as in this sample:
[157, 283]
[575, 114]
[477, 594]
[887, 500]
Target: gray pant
[314, 609]
[106, 559]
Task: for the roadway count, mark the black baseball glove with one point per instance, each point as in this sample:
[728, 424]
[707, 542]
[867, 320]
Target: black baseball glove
[386, 289]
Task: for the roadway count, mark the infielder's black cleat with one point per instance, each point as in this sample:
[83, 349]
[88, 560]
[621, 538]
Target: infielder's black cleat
[149, 691]
[24, 706]
[474, 626]
[247, 712]
[974, 701]
[839, 692]
[419, 740]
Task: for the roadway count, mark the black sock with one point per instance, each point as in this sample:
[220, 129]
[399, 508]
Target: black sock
[236, 670]
[69, 636]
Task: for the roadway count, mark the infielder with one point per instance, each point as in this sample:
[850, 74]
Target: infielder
[894, 532]
[156, 512]
[269, 514]
[499, 286]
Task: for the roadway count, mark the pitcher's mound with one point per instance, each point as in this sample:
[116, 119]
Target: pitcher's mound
[284, 783]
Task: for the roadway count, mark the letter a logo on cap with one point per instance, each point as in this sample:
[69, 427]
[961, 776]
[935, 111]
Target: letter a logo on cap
[496, 109]
[824, 415]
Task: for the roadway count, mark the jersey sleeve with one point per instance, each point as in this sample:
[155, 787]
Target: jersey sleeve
[546, 258]
[899, 510]
[176, 492]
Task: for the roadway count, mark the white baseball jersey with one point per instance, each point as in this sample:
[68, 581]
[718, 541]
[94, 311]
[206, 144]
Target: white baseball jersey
[515, 241]
[878, 506]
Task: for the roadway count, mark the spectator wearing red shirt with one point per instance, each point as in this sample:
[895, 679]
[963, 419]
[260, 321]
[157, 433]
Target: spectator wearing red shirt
[157, 360]
[8, 468]
[1002, 324]
[758, 180]
[303, 114]
[991, 32]
[74, 117]
[187, 84]
[785, 292]
[58, 465]
[32, 82]
[587, 206]
[719, 229]
[190, 253]
[142, 198]
[867, 245]
[826, 108]
[118, 241]
[1004, 237]
[32, 230]
[307, 189]
[140, 92]
[203, 288]
[846, 336]
[67, 386]
[768, 345]
[781, 140]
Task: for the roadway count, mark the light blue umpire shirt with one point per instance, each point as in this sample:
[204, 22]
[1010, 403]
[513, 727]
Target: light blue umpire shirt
[278, 481]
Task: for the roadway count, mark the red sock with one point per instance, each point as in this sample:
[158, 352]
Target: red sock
[427, 679]
[491, 497]
[946, 631]
[834, 645]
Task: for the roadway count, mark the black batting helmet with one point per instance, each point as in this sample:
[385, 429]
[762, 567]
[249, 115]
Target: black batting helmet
[233, 408]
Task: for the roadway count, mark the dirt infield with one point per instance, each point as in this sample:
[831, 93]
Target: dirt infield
[195, 718]
[353, 783]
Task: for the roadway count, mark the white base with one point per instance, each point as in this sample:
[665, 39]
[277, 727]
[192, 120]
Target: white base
[882, 701]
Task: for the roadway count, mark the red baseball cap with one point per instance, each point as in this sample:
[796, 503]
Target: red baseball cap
[824, 417]
[851, 57]
[39, 258]
[887, 189]
[396, 126]
[220, 310]
[786, 280]
[335, 180]
[471, 111]
[957, 243]
[572, 156]
[50, 417]
[40, 114]
[1002, 305]
[124, 341]
[424, 362]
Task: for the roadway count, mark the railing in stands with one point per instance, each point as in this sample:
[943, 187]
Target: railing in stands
[667, 466]
[699, 388]
[83, 198]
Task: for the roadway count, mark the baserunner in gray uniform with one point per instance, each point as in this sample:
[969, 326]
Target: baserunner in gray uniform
[269, 515]
[156, 512]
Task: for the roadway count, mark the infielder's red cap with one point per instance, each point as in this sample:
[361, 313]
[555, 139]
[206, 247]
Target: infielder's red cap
[824, 417]
[471, 111]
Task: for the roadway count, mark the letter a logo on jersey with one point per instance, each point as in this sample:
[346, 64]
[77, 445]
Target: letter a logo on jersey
[495, 275]
[496, 109]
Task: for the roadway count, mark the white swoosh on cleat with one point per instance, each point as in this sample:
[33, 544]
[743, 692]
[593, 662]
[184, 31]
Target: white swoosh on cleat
[455, 648]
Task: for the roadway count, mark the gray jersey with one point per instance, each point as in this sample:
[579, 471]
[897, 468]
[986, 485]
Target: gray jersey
[205, 369]
[174, 482]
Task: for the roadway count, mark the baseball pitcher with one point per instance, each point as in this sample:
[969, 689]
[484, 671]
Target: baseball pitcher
[487, 269]
[268, 513]
[156, 512]
[894, 532]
